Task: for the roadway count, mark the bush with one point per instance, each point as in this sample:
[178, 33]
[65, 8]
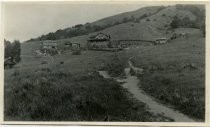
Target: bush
[12, 50]
[115, 67]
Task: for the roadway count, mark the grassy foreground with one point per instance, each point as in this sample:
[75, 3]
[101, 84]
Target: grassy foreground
[58, 96]
[71, 91]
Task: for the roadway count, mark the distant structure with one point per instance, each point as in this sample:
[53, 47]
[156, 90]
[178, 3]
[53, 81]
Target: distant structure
[72, 46]
[49, 45]
[75, 46]
[68, 46]
[129, 43]
[103, 41]
[161, 41]
[99, 41]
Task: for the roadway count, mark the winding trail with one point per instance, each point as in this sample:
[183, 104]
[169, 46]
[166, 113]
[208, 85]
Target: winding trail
[131, 83]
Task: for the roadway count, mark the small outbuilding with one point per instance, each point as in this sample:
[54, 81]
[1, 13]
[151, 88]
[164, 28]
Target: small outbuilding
[75, 45]
[161, 41]
[49, 45]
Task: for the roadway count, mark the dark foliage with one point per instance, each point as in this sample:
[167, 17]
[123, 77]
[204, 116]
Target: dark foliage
[12, 50]
[197, 10]
[115, 67]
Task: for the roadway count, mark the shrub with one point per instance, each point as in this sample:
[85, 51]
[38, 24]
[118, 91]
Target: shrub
[115, 67]
[12, 50]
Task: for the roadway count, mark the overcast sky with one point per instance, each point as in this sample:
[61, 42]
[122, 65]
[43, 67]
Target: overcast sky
[25, 21]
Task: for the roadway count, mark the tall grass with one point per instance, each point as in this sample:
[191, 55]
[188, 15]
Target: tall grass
[116, 65]
[177, 89]
[45, 95]
[174, 74]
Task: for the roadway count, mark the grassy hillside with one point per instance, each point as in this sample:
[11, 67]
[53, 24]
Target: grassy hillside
[174, 73]
[145, 23]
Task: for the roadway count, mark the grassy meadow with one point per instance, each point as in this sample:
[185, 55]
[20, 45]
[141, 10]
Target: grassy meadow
[174, 73]
[68, 88]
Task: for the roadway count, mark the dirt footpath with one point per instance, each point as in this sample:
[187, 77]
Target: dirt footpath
[131, 83]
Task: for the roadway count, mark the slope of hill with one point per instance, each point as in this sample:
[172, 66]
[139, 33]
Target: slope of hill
[174, 73]
[104, 23]
[146, 23]
[154, 18]
[121, 18]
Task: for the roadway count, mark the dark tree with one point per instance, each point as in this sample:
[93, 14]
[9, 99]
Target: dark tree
[7, 49]
[175, 22]
[78, 26]
[12, 50]
[16, 50]
[185, 21]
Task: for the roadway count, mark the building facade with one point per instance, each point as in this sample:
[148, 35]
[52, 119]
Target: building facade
[49, 45]
[99, 41]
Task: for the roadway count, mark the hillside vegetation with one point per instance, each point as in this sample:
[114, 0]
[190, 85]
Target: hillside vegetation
[174, 73]
[69, 89]
[145, 23]
[46, 95]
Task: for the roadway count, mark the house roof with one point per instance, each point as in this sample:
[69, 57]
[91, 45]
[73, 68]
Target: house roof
[93, 36]
[50, 43]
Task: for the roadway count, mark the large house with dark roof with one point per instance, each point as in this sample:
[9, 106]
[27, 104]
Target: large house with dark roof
[99, 41]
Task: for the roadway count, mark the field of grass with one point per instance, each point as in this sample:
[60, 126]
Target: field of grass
[68, 88]
[48, 95]
[174, 73]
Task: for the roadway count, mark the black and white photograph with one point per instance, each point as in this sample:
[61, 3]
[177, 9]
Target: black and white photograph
[104, 62]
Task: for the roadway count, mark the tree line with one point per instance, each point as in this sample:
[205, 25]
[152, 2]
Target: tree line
[12, 50]
[198, 23]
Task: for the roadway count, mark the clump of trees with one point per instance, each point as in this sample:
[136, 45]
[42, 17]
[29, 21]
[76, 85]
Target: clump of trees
[198, 11]
[187, 23]
[12, 50]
